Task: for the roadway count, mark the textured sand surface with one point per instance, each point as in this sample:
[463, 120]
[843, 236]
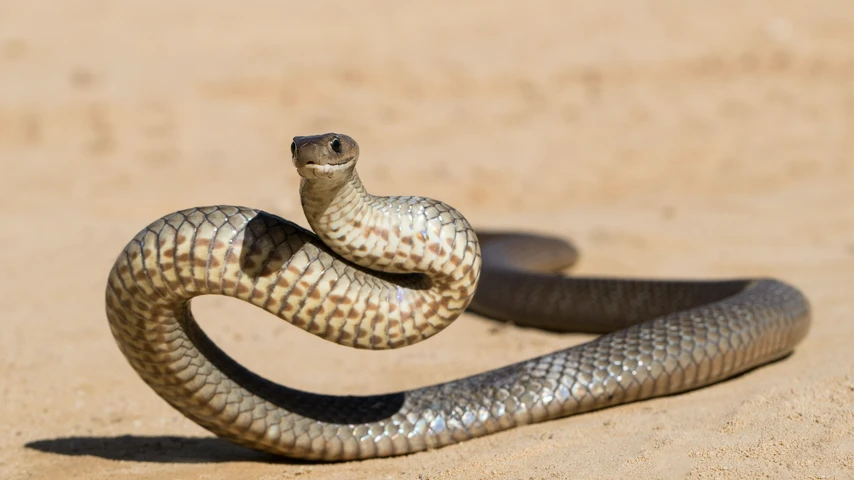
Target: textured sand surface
[666, 138]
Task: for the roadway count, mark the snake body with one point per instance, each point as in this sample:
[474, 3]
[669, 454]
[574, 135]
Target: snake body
[385, 272]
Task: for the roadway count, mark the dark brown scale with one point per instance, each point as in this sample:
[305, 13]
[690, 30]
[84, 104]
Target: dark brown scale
[298, 321]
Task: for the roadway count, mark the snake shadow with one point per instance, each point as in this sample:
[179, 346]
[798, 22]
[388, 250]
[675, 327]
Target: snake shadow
[156, 449]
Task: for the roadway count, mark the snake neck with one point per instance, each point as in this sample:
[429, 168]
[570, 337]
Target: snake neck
[336, 208]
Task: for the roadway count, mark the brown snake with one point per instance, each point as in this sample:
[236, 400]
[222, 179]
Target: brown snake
[386, 272]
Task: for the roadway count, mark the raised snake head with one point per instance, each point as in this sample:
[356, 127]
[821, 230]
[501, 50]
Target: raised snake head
[329, 155]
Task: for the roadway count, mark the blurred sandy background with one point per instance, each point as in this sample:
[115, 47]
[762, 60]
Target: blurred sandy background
[666, 138]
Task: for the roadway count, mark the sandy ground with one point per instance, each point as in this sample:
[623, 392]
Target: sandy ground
[666, 138]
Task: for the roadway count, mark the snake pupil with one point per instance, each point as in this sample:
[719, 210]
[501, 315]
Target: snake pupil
[336, 145]
[293, 148]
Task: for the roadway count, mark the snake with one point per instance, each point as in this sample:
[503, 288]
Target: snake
[377, 272]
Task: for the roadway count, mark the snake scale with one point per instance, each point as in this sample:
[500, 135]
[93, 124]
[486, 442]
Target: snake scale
[385, 272]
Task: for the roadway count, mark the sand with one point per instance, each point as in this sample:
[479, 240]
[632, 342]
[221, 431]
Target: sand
[665, 138]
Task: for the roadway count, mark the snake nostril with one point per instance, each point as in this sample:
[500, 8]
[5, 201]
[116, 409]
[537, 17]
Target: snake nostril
[293, 148]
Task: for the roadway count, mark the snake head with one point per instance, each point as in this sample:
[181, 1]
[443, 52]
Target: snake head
[324, 156]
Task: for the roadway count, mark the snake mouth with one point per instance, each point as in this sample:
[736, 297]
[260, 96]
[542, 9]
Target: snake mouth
[313, 169]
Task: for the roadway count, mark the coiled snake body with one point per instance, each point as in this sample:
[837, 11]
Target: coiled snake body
[385, 272]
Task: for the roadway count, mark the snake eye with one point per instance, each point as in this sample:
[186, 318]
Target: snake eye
[336, 145]
[293, 148]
